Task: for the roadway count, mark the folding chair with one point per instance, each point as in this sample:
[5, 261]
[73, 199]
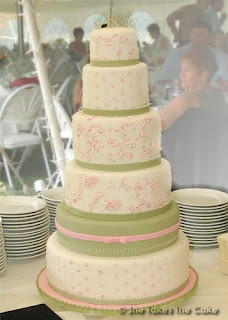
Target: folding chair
[18, 125]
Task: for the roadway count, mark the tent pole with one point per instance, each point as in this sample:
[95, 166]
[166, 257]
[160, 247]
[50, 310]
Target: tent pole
[45, 87]
[20, 28]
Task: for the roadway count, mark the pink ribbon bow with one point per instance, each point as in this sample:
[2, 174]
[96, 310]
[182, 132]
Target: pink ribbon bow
[122, 240]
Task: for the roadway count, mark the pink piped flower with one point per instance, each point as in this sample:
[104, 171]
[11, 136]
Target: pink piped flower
[91, 182]
[113, 205]
[100, 272]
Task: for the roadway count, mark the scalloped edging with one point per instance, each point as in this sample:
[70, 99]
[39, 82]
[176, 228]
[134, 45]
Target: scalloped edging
[108, 310]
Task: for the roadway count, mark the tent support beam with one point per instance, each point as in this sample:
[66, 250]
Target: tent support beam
[45, 87]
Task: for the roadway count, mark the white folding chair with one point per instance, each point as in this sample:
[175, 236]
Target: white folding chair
[18, 126]
[64, 94]
[65, 127]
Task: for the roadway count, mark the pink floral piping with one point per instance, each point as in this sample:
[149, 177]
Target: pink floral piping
[44, 285]
[122, 239]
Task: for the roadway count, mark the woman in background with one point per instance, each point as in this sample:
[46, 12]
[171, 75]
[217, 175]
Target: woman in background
[195, 130]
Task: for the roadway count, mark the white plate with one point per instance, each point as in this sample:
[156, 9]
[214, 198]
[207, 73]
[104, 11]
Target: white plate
[27, 224]
[26, 244]
[212, 225]
[204, 231]
[26, 216]
[200, 220]
[3, 269]
[25, 234]
[13, 257]
[207, 228]
[20, 204]
[26, 249]
[213, 245]
[29, 239]
[52, 204]
[204, 214]
[24, 228]
[54, 194]
[207, 218]
[203, 209]
[200, 197]
[3, 264]
[26, 254]
[205, 234]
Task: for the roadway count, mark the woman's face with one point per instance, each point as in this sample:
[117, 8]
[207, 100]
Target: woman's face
[191, 77]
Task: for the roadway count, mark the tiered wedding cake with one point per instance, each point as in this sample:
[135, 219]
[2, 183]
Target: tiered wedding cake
[117, 243]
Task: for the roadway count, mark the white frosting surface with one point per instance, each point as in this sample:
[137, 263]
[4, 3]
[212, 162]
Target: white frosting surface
[113, 278]
[117, 140]
[118, 192]
[115, 88]
[113, 44]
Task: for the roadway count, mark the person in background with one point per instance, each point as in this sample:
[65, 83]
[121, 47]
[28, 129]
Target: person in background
[219, 40]
[200, 38]
[187, 16]
[194, 125]
[156, 52]
[77, 48]
[212, 17]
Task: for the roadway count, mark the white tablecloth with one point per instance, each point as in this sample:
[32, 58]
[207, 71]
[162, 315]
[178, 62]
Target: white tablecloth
[18, 289]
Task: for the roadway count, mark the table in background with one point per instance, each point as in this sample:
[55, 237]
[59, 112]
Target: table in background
[18, 288]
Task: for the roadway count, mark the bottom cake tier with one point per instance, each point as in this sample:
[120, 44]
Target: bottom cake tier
[118, 280]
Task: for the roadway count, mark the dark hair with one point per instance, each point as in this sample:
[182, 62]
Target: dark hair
[77, 31]
[202, 59]
[154, 27]
[204, 25]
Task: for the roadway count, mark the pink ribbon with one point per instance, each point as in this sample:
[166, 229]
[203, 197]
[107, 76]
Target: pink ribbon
[122, 240]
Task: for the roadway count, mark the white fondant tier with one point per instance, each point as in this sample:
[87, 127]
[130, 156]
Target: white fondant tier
[110, 44]
[111, 279]
[115, 88]
[116, 140]
[118, 192]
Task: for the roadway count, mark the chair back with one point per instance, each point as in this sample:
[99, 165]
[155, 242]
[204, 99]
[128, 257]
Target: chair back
[64, 121]
[23, 105]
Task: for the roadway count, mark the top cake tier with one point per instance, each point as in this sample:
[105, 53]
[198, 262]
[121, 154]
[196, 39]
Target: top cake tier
[114, 44]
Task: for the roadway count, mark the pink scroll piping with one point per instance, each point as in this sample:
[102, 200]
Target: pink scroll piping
[122, 239]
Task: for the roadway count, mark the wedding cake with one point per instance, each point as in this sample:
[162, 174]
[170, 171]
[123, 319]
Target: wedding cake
[118, 243]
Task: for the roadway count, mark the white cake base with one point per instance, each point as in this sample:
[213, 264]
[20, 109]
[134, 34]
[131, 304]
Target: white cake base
[117, 280]
[151, 308]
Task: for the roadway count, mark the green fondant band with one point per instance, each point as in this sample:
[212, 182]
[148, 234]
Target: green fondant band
[110, 312]
[114, 216]
[119, 63]
[117, 228]
[120, 167]
[116, 113]
[117, 302]
[130, 249]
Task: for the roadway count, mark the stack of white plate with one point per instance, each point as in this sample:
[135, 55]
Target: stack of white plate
[3, 264]
[26, 224]
[203, 215]
[53, 197]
